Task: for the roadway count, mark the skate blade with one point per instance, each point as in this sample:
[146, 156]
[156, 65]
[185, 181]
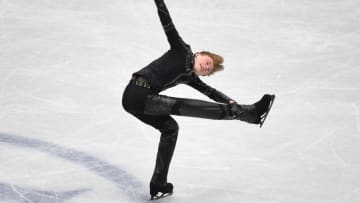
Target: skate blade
[263, 118]
[156, 197]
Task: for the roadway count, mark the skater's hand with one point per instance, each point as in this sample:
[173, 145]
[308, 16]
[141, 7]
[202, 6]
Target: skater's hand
[235, 109]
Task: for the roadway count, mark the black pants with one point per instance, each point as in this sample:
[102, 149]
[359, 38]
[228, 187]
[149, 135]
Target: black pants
[155, 110]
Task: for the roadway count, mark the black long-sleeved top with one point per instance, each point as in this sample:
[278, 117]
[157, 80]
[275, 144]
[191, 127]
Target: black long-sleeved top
[176, 65]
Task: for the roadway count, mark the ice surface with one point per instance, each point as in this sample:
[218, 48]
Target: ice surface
[64, 136]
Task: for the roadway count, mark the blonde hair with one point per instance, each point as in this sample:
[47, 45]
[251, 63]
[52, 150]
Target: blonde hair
[217, 59]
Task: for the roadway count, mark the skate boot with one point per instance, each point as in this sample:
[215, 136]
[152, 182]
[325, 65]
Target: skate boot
[256, 113]
[263, 107]
[166, 189]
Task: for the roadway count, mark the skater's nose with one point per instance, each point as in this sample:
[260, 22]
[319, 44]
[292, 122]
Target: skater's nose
[206, 67]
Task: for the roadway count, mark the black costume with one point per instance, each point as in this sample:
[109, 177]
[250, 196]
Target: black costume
[141, 97]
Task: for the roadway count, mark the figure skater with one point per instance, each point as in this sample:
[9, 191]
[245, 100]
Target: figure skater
[179, 65]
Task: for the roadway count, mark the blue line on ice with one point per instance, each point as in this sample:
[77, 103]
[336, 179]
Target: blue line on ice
[126, 182]
[26, 195]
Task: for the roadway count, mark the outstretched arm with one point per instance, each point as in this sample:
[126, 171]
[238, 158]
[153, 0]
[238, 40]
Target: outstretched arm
[171, 33]
[210, 92]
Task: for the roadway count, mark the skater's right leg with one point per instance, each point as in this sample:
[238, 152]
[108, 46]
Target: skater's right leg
[169, 132]
[133, 101]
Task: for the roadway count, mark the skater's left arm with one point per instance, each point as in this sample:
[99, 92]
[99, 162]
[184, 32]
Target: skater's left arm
[212, 93]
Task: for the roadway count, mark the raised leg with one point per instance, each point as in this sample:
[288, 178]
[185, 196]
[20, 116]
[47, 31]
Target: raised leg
[165, 105]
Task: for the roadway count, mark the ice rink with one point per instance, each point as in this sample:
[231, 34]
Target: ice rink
[64, 136]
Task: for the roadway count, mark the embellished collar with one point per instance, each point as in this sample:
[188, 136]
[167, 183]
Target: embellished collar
[190, 63]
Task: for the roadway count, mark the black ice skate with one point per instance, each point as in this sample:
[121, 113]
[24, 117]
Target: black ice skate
[165, 190]
[256, 113]
[263, 107]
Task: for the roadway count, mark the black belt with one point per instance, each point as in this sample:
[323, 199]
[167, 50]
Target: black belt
[139, 81]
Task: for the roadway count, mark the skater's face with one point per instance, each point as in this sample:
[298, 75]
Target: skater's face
[203, 65]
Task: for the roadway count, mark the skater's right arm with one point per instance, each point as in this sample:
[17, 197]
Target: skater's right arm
[172, 35]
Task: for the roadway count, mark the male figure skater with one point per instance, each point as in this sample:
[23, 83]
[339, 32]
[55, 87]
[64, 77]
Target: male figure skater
[141, 97]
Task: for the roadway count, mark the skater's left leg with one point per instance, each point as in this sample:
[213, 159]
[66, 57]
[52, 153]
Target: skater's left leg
[164, 105]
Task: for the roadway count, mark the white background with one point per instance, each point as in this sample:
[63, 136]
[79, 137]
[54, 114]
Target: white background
[64, 136]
